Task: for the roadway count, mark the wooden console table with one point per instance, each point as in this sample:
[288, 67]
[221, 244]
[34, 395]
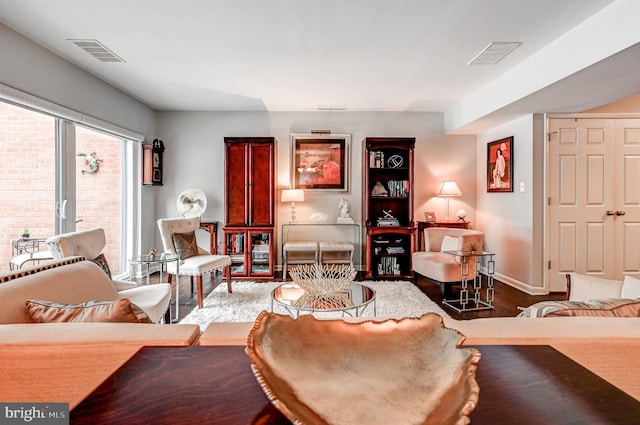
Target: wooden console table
[452, 224]
[525, 385]
[424, 224]
[212, 228]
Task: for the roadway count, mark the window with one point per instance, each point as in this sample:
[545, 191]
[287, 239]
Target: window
[57, 176]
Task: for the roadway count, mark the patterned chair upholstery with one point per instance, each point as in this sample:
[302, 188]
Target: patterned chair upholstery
[197, 265]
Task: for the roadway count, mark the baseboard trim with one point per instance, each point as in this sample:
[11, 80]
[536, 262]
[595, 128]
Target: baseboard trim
[521, 286]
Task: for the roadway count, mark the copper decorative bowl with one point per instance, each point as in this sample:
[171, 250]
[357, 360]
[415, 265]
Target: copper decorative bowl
[406, 371]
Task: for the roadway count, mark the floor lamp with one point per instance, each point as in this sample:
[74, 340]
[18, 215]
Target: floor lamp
[447, 190]
[293, 196]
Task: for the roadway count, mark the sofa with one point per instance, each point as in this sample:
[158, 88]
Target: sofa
[589, 295]
[431, 262]
[65, 361]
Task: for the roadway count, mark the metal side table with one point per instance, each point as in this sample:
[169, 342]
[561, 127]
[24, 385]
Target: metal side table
[162, 259]
[476, 301]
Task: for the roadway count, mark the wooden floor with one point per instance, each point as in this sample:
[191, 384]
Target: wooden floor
[507, 298]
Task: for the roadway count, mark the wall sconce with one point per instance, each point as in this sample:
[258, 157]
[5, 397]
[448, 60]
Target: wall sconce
[293, 196]
[152, 163]
[447, 190]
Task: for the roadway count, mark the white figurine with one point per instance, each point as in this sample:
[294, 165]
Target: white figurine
[345, 209]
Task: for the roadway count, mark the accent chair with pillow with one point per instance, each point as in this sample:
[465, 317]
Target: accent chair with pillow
[88, 244]
[153, 299]
[178, 237]
[432, 262]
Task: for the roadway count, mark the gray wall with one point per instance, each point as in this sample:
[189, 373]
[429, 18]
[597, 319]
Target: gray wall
[508, 219]
[195, 157]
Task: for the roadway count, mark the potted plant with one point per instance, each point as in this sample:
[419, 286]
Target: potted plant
[26, 233]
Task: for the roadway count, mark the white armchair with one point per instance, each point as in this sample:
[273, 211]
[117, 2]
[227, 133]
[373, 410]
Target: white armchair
[152, 299]
[87, 243]
[431, 262]
[178, 237]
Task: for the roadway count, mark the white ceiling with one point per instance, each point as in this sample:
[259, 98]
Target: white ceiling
[297, 55]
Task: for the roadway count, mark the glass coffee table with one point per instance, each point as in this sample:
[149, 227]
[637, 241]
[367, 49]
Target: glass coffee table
[352, 301]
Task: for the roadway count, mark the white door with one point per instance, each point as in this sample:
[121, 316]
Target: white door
[627, 204]
[594, 192]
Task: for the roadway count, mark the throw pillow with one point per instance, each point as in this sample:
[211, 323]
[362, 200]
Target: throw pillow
[186, 245]
[449, 243]
[630, 287]
[101, 261]
[119, 311]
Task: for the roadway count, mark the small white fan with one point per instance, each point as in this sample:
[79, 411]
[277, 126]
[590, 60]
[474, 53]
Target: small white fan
[191, 203]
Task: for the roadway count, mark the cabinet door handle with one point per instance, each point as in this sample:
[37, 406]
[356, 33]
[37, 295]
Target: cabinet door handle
[620, 212]
[611, 212]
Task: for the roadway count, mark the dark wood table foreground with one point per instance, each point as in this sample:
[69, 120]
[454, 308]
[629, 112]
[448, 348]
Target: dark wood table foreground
[214, 385]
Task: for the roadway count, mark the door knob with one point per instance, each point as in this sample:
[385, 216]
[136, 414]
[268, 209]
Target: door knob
[611, 212]
[620, 212]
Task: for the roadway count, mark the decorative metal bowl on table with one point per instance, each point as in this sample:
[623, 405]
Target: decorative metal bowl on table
[323, 284]
[332, 372]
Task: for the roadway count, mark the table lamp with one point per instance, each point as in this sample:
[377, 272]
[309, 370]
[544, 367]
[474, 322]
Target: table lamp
[447, 190]
[293, 196]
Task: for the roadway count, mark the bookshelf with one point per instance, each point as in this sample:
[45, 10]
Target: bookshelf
[388, 206]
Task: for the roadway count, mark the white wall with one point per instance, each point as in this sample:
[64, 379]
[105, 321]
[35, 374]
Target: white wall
[512, 221]
[194, 157]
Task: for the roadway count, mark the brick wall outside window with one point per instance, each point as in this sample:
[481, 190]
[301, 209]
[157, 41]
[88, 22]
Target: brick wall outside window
[27, 182]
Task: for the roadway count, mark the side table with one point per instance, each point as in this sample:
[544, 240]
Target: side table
[211, 227]
[463, 303]
[161, 259]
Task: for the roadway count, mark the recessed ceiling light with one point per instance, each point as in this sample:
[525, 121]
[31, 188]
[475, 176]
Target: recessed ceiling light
[97, 50]
[494, 52]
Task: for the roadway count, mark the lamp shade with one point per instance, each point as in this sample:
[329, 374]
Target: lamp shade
[449, 188]
[292, 195]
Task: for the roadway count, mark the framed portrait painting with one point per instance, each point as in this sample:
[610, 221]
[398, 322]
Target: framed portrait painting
[320, 162]
[500, 165]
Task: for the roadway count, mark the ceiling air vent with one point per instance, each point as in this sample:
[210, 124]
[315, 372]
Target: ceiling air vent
[97, 50]
[494, 52]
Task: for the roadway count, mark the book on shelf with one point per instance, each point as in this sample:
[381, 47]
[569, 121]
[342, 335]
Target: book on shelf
[376, 159]
[395, 250]
[384, 222]
[398, 188]
[388, 266]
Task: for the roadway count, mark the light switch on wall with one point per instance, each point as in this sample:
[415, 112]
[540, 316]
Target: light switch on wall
[521, 186]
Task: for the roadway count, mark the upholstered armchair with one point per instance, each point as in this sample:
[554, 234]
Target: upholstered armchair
[431, 261]
[89, 244]
[152, 299]
[178, 237]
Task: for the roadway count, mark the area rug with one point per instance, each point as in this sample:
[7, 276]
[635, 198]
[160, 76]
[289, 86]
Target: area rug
[394, 299]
